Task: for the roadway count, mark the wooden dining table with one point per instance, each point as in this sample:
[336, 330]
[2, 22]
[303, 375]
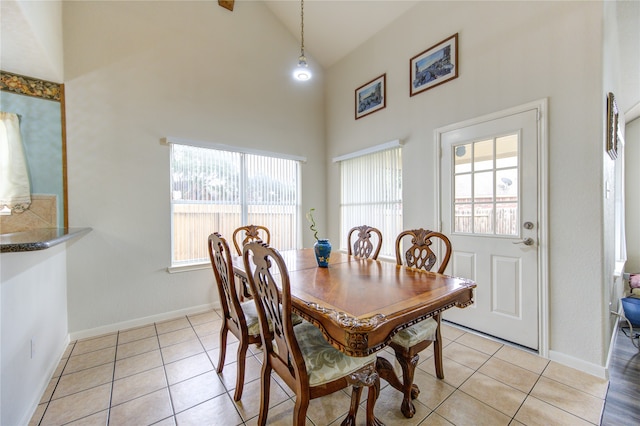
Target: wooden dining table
[359, 304]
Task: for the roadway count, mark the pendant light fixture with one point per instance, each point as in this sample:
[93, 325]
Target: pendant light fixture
[302, 71]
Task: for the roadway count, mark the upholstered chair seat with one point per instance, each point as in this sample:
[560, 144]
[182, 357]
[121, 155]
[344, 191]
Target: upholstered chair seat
[323, 362]
[424, 330]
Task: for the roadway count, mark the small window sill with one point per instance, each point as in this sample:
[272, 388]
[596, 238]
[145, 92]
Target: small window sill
[187, 268]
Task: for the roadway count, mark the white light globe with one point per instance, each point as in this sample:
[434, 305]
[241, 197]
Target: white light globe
[302, 72]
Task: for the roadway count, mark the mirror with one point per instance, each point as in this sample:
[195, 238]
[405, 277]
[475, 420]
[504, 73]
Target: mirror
[40, 108]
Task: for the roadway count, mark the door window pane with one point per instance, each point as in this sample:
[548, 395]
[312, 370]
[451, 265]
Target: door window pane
[483, 155]
[483, 186]
[462, 158]
[507, 185]
[486, 190]
[463, 188]
[463, 218]
[507, 220]
[507, 151]
[483, 219]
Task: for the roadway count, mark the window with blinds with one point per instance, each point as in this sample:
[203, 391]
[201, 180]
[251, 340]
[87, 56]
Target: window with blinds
[371, 194]
[216, 190]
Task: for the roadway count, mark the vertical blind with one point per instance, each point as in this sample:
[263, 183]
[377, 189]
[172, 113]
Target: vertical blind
[371, 194]
[219, 190]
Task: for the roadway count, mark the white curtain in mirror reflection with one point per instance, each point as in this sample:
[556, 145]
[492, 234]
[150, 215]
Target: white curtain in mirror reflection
[15, 190]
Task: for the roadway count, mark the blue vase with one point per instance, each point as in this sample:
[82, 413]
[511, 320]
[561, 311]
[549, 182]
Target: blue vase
[322, 249]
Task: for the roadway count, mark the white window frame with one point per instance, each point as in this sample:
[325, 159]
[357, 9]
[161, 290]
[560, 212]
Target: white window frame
[201, 263]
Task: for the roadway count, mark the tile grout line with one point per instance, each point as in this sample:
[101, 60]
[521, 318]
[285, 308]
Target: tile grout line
[528, 394]
[113, 377]
[567, 385]
[56, 386]
[108, 409]
[513, 418]
[166, 377]
[227, 391]
[476, 370]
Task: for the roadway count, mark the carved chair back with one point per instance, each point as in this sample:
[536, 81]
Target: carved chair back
[273, 303]
[363, 245]
[251, 233]
[424, 245]
[220, 256]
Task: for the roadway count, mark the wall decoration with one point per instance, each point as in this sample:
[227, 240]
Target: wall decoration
[30, 86]
[436, 65]
[371, 97]
[612, 127]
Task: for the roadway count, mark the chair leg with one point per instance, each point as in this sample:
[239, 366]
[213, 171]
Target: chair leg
[369, 377]
[437, 350]
[374, 392]
[437, 356]
[242, 355]
[410, 391]
[350, 420]
[265, 382]
[300, 410]
[223, 347]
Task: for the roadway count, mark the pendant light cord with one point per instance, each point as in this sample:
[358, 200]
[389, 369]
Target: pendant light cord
[302, 72]
[301, 27]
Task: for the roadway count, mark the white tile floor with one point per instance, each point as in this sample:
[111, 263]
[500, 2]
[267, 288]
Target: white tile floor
[164, 374]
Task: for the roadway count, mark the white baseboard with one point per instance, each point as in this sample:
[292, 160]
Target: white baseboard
[614, 333]
[579, 364]
[111, 328]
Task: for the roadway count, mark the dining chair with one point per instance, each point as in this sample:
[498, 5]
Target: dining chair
[242, 236]
[363, 246]
[251, 233]
[241, 319]
[300, 355]
[421, 254]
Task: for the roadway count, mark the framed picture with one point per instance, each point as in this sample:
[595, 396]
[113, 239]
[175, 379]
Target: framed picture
[371, 97]
[612, 127]
[436, 65]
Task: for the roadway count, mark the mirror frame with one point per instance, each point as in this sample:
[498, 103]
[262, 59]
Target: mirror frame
[47, 90]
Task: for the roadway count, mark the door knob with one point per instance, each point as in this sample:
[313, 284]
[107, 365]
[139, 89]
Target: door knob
[526, 242]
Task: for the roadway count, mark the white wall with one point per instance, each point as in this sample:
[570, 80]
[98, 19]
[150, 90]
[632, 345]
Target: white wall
[510, 53]
[632, 201]
[621, 76]
[33, 307]
[135, 73]
[31, 42]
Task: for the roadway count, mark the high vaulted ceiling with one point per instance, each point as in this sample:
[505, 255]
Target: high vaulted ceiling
[333, 28]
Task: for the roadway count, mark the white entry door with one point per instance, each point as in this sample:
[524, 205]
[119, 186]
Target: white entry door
[489, 210]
